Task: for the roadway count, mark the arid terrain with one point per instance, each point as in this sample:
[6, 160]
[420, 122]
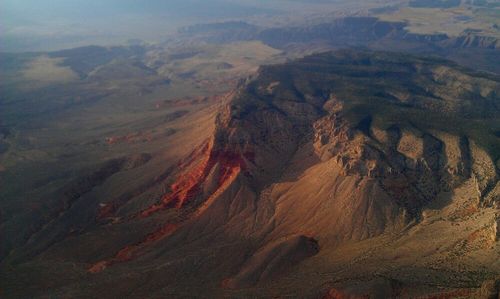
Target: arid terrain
[352, 153]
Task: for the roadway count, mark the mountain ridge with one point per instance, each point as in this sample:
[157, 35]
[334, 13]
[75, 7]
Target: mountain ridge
[336, 170]
[379, 189]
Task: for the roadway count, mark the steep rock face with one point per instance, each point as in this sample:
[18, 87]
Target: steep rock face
[353, 31]
[323, 117]
[305, 159]
[349, 30]
[333, 148]
[475, 41]
[276, 116]
[469, 48]
[342, 147]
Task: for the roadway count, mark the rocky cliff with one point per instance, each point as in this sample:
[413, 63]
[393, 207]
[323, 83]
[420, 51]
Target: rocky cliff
[338, 148]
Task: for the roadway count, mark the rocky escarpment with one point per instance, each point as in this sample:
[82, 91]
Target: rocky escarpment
[375, 137]
[346, 146]
[289, 106]
[474, 41]
[369, 32]
[343, 31]
[346, 31]
[332, 148]
[351, 172]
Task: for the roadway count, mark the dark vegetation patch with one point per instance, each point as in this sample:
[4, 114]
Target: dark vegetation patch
[361, 80]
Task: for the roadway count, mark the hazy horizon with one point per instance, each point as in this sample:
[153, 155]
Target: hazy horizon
[48, 25]
[54, 24]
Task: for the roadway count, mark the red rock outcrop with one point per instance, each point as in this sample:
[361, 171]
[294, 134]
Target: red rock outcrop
[129, 252]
